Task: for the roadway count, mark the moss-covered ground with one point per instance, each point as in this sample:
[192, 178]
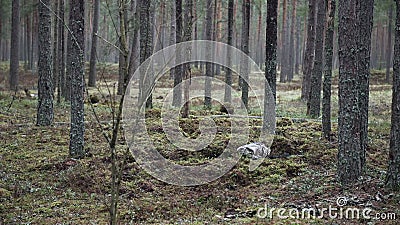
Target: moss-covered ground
[40, 184]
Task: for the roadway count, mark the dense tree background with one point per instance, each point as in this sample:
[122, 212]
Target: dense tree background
[331, 66]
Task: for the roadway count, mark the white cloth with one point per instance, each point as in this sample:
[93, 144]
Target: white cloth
[255, 150]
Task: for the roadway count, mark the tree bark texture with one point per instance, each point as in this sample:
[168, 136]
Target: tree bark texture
[393, 173]
[228, 75]
[314, 99]
[309, 52]
[14, 51]
[284, 39]
[177, 92]
[327, 85]
[355, 26]
[45, 115]
[208, 33]
[365, 24]
[389, 45]
[75, 70]
[244, 66]
[292, 48]
[61, 53]
[146, 40]
[271, 44]
[93, 50]
[55, 47]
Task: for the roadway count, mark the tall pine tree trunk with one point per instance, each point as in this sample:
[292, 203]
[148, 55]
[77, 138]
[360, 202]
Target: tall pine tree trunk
[327, 85]
[354, 52]
[45, 115]
[61, 54]
[284, 50]
[270, 61]
[93, 51]
[146, 42]
[314, 100]
[393, 173]
[292, 42]
[298, 47]
[55, 47]
[134, 54]
[172, 36]
[389, 45]
[123, 52]
[365, 19]
[228, 74]
[349, 155]
[14, 56]
[1, 31]
[208, 34]
[177, 92]
[187, 36]
[271, 44]
[309, 52]
[75, 70]
[244, 66]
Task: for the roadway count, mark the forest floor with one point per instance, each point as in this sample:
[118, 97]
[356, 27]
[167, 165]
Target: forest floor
[40, 184]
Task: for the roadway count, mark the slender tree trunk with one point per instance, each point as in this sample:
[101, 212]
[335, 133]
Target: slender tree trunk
[195, 30]
[187, 36]
[393, 173]
[284, 50]
[244, 67]
[35, 40]
[314, 100]
[30, 42]
[123, 70]
[68, 78]
[208, 30]
[55, 47]
[177, 92]
[28, 24]
[1, 31]
[215, 67]
[146, 42]
[270, 61]
[21, 43]
[258, 43]
[228, 74]
[122, 56]
[291, 44]
[271, 44]
[335, 50]
[365, 19]
[374, 50]
[163, 21]
[75, 70]
[389, 45]
[135, 53]
[93, 51]
[45, 114]
[26, 38]
[61, 54]
[309, 52]
[14, 58]
[298, 48]
[172, 37]
[382, 48]
[327, 85]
